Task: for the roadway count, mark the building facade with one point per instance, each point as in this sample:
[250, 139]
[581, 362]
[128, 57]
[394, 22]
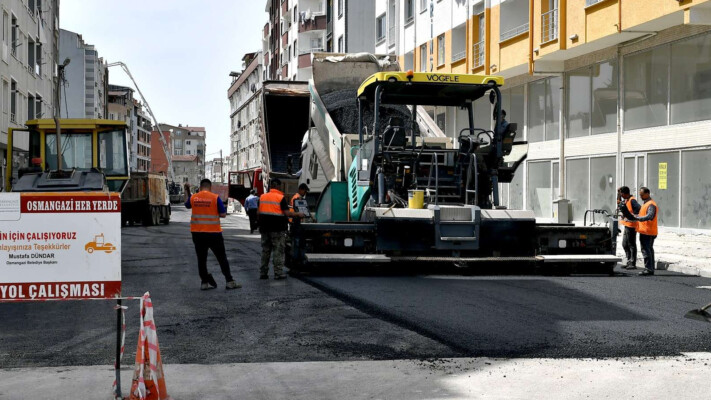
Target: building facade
[29, 53]
[215, 170]
[123, 106]
[245, 94]
[186, 141]
[623, 84]
[188, 169]
[85, 92]
[298, 28]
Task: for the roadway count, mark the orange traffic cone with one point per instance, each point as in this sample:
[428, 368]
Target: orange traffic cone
[148, 378]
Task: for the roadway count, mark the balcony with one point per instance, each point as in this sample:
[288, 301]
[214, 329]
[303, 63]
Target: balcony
[549, 26]
[589, 3]
[511, 33]
[459, 56]
[479, 54]
[392, 36]
[315, 23]
[266, 30]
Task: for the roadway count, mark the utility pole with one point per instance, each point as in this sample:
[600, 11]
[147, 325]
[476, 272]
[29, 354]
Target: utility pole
[222, 162]
[57, 115]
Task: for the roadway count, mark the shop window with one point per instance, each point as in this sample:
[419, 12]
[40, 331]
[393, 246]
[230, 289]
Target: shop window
[544, 109]
[516, 190]
[513, 104]
[604, 100]
[577, 182]
[696, 190]
[629, 175]
[691, 80]
[663, 177]
[579, 103]
[539, 189]
[646, 88]
[602, 183]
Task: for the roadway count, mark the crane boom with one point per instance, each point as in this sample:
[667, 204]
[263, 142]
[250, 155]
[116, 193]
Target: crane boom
[163, 142]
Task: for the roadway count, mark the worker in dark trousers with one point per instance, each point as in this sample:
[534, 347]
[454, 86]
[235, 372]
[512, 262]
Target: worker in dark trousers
[647, 229]
[251, 204]
[299, 195]
[205, 228]
[273, 223]
[629, 238]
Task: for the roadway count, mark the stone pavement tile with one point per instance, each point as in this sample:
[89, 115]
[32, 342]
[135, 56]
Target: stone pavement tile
[683, 376]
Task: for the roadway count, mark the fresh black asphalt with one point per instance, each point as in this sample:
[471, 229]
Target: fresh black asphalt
[319, 318]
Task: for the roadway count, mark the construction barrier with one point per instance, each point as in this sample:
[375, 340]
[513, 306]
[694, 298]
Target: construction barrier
[148, 378]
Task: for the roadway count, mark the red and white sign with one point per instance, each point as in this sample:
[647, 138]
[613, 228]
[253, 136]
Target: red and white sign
[57, 246]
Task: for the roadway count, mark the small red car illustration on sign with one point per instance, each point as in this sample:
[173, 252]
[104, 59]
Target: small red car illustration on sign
[99, 245]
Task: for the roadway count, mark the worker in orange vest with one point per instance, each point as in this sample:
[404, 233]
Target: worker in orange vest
[205, 228]
[273, 213]
[300, 194]
[647, 229]
[629, 237]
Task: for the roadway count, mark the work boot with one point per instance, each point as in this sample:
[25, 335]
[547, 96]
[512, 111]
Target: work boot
[211, 281]
[205, 286]
[630, 266]
[279, 277]
[263, 276]
[232, 285]
[646, 272]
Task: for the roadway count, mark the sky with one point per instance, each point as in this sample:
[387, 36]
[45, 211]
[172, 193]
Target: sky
[179, 51]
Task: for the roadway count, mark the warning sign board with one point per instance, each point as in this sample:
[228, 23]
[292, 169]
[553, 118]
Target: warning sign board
[60, 246]
[663, 176]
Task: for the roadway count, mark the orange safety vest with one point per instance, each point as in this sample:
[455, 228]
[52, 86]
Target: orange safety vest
[270, 203]
[626, 222]
[648, 227]
[205, 216]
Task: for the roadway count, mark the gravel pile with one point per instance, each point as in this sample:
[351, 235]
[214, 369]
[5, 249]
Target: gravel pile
[342, 106]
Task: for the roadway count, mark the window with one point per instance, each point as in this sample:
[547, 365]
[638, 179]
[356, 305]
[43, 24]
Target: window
[31, 55]
[30, 107]
[295, 14]
[423, 58]
[409, 10]
[543, 109]
[38, 59]
[592, 100]
[646, 88]
[38, 107]
[440, 50]
[13, 102]
[577, 183]
[340, 8]
[80, 157]
[409, 61]
[459, 43]
[340, 44]
[602, 183]
[691, 79]
[423, 6]
[14, 36]
[513, 104]
[539, 191]
[513, 18]
[479, 47]
[380, 28]
[663, 177]
[695, 189]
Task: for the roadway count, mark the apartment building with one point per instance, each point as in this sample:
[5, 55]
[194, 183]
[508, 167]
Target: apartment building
[245, 94]
[188, 169]
[30, 48]
[215, 169]
[624, 85]
[122, 106]
[85, 92]
[298, 28]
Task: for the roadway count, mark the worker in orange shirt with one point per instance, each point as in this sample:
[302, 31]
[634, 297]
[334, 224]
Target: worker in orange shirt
[205, 228]
[647, 229]
[299, 195]
[629, 238]
[273, 222]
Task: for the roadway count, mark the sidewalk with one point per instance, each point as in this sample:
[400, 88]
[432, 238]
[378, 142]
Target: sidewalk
[684, 377]
[687, 253]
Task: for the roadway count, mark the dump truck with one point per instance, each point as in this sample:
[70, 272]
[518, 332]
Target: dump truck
[405, 200]
[146, 200]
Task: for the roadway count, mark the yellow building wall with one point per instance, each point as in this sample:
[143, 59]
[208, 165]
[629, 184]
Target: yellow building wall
[601, 20]
[575, 22]
[640, 11]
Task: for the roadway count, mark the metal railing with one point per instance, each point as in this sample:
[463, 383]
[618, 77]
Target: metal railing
[479, 53]
[459, 55]
[549, 26]
[514, 32]
[589, 3]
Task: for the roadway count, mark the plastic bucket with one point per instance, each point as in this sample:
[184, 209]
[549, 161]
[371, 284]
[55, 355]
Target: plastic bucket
[415, 198]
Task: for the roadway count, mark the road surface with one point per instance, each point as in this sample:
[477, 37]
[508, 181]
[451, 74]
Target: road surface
[342, 318]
